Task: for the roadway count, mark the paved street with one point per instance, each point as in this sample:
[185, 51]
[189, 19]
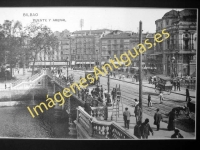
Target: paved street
[131, 91]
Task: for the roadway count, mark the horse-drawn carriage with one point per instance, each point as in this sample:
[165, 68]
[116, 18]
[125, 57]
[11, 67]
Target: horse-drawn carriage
[163, 84]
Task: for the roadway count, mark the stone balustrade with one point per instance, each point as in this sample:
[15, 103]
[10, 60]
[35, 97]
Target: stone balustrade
[98, 112]
[90, 127]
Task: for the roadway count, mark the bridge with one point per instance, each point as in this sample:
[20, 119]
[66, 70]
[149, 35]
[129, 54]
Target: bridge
[83, 126]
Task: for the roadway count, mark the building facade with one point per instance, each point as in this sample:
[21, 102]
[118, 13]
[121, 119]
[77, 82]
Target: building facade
[119, 42]
[85, 47]
[177, 54]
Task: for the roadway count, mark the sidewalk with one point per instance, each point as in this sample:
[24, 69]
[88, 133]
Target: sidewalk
[163, 133]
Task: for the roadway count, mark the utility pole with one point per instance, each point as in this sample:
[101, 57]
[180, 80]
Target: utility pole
[67, 67]
[140, 69]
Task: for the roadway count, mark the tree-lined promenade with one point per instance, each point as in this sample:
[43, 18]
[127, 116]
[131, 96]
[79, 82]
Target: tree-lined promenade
[19, 45]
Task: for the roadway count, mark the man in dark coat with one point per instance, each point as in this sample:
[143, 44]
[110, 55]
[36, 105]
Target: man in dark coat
[137, 131]
[178, 85]
[87, 107]
[146, 129]
[174, 85]
[176, 134]
[113, 94]
[157, 119]
[101, 91]
[187, 95]
[171, 123]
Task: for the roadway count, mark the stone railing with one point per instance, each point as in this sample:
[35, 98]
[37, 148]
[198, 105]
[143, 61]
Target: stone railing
[32, 78]
[56, 79]
[92, 128]
[98, 112]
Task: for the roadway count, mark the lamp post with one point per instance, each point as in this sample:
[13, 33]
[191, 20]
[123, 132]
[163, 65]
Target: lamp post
[140, 70]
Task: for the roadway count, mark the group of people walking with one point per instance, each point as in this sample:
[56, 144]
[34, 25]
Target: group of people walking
[143, 129]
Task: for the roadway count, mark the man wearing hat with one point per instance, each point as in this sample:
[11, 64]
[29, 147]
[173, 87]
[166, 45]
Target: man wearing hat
[157, 119]
[176, 134]
[146, 129]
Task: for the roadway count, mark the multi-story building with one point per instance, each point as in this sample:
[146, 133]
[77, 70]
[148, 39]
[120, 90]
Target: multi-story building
[177, 54]
[85, 50]
[118, 42]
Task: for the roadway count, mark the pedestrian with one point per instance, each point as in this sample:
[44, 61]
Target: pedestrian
[150, 80]
[93, 92]
[161, 97]
[146, 129]
[123, 76]
[101, 91]
[114, 75]
[125, 118]
[178, 85]
[176, 134]
[171, 122]
[137, 112]
[174, 85]
[187, 95]
[157, 118]
[133, 79]
[113, 95]
[137, 131]
[105, 112]
[155, 84]
[136, 102]
[87, 107]
[149, 101]
[126, 115]
[5, 86]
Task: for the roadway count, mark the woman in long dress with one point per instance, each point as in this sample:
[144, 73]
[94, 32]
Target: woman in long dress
[171, 122]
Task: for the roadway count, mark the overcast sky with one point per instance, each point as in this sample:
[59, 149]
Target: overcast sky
[115, 18]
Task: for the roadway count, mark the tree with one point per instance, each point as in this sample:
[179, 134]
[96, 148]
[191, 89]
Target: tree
[41, 39]
[10, 37]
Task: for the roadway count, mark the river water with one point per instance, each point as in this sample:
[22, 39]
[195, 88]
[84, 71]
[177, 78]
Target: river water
[16, 122]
